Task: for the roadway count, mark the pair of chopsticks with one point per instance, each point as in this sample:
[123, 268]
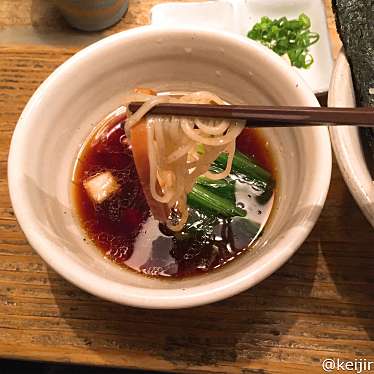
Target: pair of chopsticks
[269, 116]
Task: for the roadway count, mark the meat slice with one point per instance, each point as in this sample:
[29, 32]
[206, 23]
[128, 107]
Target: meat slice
[139, 145]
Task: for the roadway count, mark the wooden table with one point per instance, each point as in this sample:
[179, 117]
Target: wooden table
[319, 305]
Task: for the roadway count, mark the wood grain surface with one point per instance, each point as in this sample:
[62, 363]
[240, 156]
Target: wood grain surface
[319, 305]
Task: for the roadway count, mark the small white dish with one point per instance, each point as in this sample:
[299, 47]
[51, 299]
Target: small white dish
[239, 16]
[64, 109]
[346, 140]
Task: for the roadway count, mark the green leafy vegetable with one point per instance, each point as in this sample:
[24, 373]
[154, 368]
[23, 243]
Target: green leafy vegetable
[245, 167]
[292, 37]
[212, 200]
[204, 200]
[223, 187]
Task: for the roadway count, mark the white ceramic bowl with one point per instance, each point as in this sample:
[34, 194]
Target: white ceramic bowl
[346, 141]
[91, 84]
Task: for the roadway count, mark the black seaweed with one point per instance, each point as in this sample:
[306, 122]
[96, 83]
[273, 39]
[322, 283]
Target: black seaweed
[355, 25]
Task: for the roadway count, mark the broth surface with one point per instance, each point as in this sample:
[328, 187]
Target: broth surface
[123, 228]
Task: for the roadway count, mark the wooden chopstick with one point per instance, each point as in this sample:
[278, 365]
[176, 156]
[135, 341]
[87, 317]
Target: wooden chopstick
[270, 116]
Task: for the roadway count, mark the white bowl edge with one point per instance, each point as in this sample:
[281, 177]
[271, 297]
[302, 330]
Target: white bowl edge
[346, 143]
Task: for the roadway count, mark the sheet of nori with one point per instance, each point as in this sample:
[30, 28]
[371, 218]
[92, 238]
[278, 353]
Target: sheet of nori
[355, 25]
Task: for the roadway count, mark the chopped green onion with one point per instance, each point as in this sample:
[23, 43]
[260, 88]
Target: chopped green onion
[200, 149]
[292, 37]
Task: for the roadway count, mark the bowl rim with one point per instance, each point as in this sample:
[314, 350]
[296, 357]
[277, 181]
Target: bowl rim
[347, 166]
[166, 298]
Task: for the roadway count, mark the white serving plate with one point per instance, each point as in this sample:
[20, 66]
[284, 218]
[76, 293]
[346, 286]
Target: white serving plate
[346, 141]
[239, 16]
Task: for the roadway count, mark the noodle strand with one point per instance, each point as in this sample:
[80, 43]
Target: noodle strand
[180, 149]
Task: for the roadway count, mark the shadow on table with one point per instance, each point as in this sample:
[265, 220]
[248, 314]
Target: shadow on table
[351, 262]
[50, 27]
[243, 328]
[45, 15]
[34, 367]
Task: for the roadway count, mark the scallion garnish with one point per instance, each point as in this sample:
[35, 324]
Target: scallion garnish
[292, 37]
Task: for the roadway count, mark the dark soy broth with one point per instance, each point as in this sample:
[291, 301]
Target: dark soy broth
[124, 230]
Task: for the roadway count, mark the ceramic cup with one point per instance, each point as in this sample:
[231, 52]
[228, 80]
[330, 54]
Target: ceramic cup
[63, 111]
[92, 15]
